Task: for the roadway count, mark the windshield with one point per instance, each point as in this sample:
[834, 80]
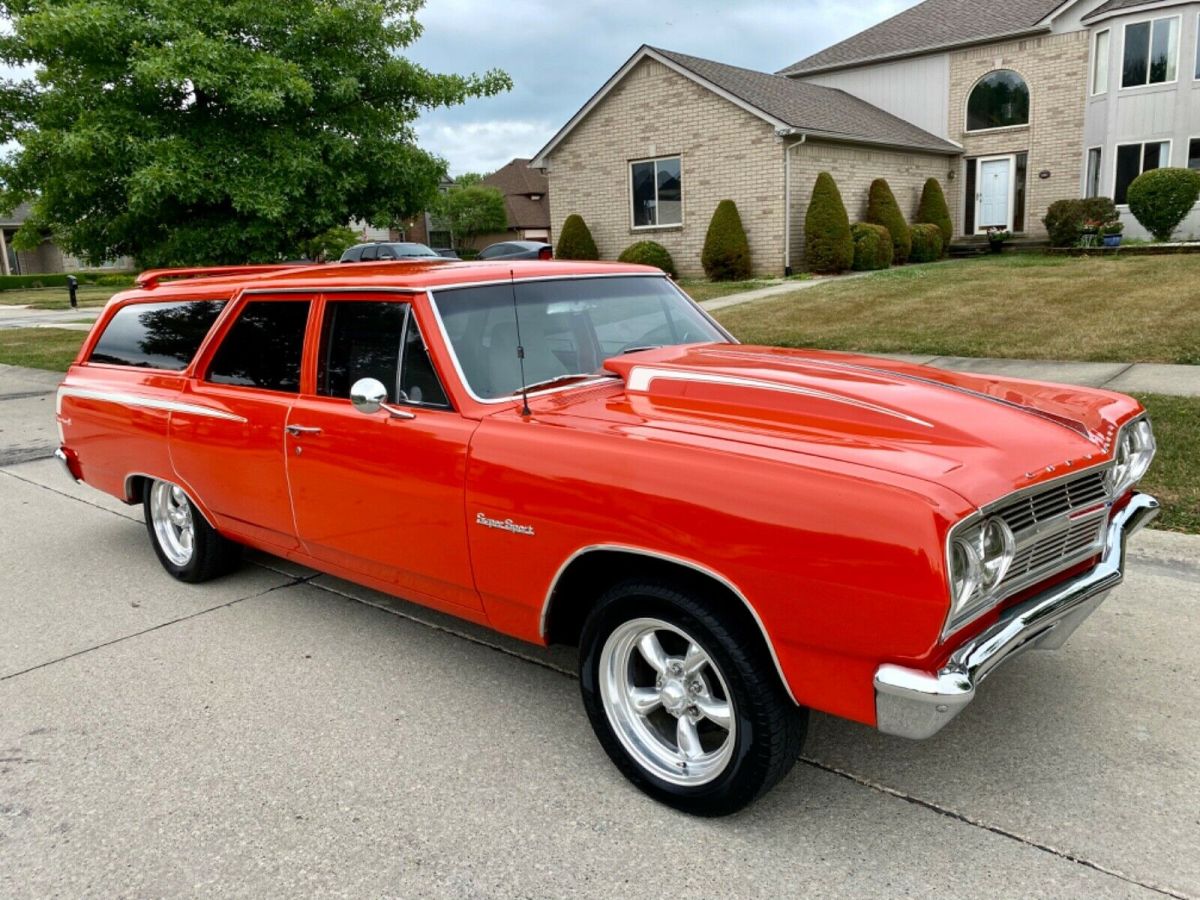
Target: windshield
[568, 327]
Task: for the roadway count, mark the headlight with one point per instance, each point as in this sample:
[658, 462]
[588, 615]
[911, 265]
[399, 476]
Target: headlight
[979, 558]
[1135, 452]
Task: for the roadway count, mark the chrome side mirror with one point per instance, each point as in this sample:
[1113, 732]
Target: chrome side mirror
[369, 396]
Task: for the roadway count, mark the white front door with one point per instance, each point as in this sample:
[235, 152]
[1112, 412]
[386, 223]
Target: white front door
[993, 194]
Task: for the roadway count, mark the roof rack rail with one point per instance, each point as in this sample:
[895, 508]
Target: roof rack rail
[151, 277]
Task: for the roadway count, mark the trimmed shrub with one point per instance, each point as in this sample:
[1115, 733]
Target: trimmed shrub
[649, 253]
[726, 254]
[1160, 198]
[828, 247]
[932, 210]
[1064, 219]
[872, 247]
[882, 209]
[19, 282]
[926, 243]
[575, 241]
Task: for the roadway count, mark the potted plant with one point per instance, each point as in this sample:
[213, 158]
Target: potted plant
[996, 237]
[1089, 231]
[1110, 233]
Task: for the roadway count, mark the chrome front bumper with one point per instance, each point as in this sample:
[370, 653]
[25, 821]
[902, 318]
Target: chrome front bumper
[916, 704]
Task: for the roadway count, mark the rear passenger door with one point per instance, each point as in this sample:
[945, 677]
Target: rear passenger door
[381, 497]
[235, 462]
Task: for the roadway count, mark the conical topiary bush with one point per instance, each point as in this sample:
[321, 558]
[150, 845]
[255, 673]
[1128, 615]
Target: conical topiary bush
[575, 241]
[828, 246]
[726, 254]
[932, 210]
[882, 209]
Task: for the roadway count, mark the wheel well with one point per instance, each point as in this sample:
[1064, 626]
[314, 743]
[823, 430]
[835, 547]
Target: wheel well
[135, 487]
[589, 575]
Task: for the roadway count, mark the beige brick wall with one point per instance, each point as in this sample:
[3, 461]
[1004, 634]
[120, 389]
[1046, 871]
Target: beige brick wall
[854, 167]
[1055, 69]
[726, 153]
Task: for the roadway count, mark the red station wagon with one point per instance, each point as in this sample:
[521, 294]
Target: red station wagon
[575, 453]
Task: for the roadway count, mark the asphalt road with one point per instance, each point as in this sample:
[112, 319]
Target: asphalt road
[281, 733]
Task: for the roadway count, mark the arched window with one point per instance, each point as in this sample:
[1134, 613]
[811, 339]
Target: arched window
[999, 99]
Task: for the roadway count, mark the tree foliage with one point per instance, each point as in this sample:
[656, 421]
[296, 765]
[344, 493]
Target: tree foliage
[216, 131]
[882, 209]
[1160, 199]
[575, 240]
[726, 253]
[828, 247]
[932, 210]
[330, 244]
[649, 253]
[468, 211]
[1066, 219]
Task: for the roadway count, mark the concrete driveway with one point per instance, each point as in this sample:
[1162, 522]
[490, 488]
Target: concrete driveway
[281, 733]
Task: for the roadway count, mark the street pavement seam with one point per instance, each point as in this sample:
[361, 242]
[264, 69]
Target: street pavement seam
[153, 628]
[994, 829]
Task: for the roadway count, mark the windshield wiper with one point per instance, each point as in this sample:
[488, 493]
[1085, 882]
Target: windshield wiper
[576, 376]
[641, 348]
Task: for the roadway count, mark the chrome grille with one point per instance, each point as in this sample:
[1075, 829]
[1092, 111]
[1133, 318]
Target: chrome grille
[1054, 528]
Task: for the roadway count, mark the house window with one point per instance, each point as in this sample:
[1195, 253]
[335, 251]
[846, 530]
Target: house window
[998, 100]
[1194, 153]
[657, 192]
[1100, 63]
[1091, 187]
[1134, 159]
[1151, 52]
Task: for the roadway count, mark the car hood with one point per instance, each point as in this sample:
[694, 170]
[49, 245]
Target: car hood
[980, 436]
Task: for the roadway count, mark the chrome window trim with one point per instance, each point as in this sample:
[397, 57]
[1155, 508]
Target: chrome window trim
[678, 560]
[590, 382]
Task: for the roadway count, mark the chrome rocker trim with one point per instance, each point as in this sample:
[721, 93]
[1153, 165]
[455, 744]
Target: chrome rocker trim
[915, 704]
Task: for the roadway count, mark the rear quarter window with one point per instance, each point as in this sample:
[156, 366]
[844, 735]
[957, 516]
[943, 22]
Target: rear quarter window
[156, 335]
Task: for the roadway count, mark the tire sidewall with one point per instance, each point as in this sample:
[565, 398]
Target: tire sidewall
[200, 536]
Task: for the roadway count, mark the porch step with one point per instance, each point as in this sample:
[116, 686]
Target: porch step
[976, 244]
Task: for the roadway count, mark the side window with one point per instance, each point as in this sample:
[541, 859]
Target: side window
[264, 346]
[360, 339]
[369, 253]
[386, 252]
[156, 335]
[418, 379]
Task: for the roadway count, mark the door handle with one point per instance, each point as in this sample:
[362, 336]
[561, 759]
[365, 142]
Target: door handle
[298, 430]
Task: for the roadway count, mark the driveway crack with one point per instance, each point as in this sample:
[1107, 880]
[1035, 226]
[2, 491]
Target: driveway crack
[994, 829]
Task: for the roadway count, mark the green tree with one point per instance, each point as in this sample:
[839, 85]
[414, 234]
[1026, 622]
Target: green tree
[932, 210]
[329, 244]
[726, 253]
[828, 247]
[467, 179]
[468, 211]
[575, 240]
[882, 209]
[216, 131]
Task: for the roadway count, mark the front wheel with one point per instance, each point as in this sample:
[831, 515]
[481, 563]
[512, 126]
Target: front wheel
[684, 701]
[186, 545]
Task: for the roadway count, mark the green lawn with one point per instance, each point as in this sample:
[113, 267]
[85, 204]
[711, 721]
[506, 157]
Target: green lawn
[1174, 478]
[1022, 306]
[57, 297]
[40, 348]
[703, 289]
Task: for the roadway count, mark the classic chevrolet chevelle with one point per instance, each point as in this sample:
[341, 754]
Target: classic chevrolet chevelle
[577, 454]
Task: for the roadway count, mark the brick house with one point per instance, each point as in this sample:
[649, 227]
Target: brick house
[1010, 106]
[46, 259]
[526, 204]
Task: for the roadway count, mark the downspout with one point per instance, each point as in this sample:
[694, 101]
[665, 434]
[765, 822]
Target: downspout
[3, 254]
[787, 194]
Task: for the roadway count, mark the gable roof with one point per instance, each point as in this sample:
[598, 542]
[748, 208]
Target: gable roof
[1114, 7]
[788, 105]
[520, 184]
[17, 217]
[929, 26]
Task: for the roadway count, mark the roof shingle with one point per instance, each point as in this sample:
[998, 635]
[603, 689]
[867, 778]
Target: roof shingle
[520, 184]
[802, 105]
[930, 26]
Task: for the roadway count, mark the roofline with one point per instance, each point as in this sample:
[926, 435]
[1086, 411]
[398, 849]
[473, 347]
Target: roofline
[955, 149]
[1093, 18]
[792, 72]
[643, 52]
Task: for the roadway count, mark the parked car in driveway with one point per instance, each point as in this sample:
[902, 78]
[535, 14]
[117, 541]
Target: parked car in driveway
[446, 252]
[517, 250]
[576, 453]
[379, 251]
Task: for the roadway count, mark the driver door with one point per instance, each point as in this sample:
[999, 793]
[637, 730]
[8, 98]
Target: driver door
[378, 496]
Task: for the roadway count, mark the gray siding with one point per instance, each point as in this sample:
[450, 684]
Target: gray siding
[917, 90]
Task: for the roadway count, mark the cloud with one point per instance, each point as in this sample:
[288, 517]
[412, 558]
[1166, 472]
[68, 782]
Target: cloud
[559, 54]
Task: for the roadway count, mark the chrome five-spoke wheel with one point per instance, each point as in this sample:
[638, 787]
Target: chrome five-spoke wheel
[171, 516]
[667, 701]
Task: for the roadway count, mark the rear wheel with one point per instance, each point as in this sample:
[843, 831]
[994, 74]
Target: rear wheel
[683, 701]
[187, 546]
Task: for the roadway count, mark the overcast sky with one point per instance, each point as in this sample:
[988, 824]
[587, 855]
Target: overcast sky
[559, 52]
